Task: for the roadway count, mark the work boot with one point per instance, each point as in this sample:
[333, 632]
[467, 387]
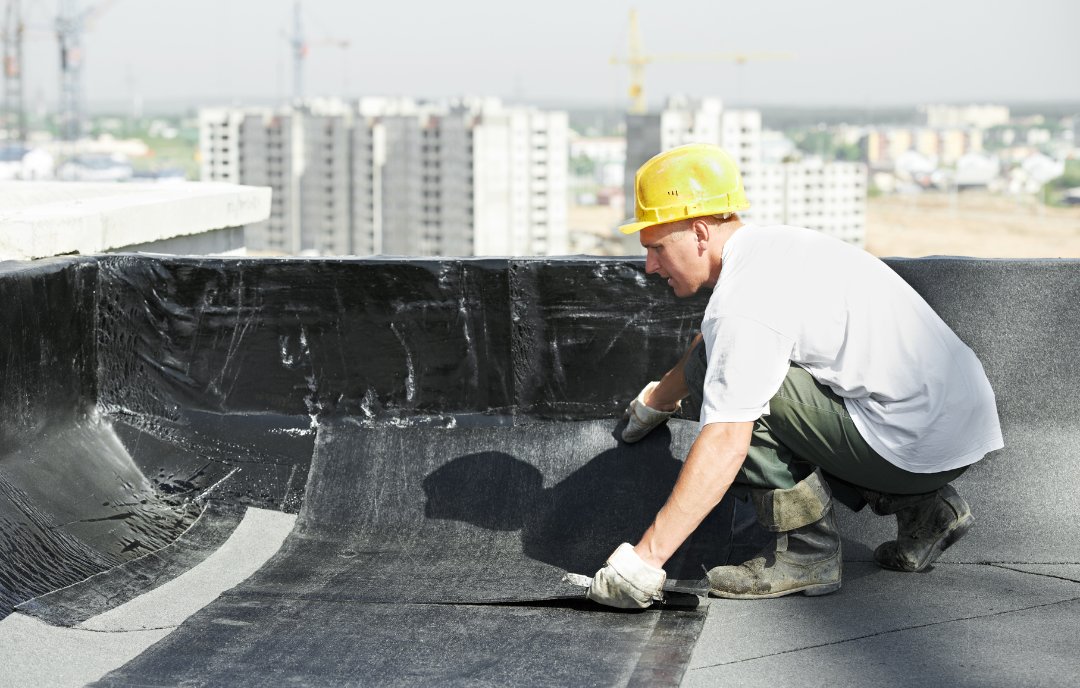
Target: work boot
[926, 525]
[804, 555]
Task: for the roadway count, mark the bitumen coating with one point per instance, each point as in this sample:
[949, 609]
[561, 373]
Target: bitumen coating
[374, 472]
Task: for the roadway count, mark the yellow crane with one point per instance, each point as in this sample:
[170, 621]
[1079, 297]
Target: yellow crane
[638, 59]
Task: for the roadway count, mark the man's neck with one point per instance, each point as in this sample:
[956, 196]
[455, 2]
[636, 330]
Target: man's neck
[716, 256]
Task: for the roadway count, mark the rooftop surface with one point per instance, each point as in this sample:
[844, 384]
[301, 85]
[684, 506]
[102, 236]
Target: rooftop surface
[329, 472]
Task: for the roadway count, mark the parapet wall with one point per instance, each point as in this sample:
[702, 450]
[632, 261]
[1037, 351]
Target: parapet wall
[177, 377]
[453, 341]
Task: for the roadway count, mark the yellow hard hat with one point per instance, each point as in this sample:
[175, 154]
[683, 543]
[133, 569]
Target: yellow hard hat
[688, 181]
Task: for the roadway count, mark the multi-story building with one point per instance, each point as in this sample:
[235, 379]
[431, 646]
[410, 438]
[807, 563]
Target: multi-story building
[962, 116]
[829, 197]
[520, 182]
[690, 120]
[258, 147]
[391, 176]
[219, 144]
[607, 154]
[883, 146]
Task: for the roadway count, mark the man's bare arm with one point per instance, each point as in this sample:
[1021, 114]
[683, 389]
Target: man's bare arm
[672, 388]
[714, 460]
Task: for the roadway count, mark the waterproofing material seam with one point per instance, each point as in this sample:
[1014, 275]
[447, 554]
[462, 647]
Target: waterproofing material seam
[41, 655]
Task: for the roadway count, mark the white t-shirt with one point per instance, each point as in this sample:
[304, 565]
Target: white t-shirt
[916, 393]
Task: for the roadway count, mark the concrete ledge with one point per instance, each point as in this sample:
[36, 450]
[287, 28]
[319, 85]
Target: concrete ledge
[41, 219]
[216, 242]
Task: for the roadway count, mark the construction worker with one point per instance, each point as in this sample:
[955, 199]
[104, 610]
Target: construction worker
[820, 375]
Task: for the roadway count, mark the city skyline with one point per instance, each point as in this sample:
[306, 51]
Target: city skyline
[848, 53]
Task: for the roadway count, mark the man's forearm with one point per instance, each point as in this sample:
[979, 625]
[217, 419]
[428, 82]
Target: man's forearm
[710, 468]
[672, 388]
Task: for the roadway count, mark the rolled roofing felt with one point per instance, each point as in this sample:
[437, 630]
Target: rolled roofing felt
[455, 515]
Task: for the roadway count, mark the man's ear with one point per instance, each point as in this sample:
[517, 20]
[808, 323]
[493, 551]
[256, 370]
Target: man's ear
[701, 233]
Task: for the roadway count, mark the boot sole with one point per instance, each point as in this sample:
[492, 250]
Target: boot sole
[808, 590]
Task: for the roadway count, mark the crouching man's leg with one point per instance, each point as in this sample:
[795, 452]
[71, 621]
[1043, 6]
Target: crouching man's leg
[809, 428]
[804, 553]
[793, 502]
[813, 423]
[926, 524]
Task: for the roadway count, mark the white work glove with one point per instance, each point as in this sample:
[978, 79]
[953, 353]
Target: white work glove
[643, 418]
[626, 581]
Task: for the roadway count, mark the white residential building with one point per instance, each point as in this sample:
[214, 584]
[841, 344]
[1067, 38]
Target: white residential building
[607, 153]
[978, 116]
[537, 147]
[599, 149]
[686, 120]
[396, 177]
[828, 197]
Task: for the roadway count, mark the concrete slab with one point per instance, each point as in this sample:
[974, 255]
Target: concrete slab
[107, 590]
[1069, 572]
[256, 539]
[41, 219]
[37, 654]
[1028, 647]
[953, 625]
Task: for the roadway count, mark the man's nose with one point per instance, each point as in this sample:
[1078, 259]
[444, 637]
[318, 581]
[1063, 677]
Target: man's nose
[652, 264]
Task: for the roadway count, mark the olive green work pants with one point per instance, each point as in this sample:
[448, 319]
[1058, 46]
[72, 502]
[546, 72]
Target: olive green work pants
[807, 426]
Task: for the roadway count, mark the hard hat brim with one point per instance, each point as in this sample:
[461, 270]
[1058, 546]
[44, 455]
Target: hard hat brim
[632, 226]
[635, 225]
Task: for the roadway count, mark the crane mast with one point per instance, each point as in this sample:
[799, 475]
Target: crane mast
[14, 109]
[70, 26]
[299, 52]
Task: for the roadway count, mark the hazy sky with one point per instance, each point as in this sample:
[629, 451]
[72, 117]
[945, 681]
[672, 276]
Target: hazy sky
[848, 53]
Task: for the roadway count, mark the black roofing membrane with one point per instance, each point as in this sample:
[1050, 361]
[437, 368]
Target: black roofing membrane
[258, 642]
[470, 515]
[446, 430]
[109, 589]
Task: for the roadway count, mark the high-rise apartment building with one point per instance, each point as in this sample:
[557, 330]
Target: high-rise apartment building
[826, 196]
[520, 182]
[829, 197]
[391, 176]
[258, 147]
[694, 120]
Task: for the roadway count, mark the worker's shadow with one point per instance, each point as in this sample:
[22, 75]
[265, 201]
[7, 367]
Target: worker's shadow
[577, 523]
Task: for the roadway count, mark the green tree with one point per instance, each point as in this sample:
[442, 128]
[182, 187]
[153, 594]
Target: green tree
[582, 166]
[849, 152]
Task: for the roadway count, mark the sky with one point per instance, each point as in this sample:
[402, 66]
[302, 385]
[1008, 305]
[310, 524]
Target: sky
[847, 53]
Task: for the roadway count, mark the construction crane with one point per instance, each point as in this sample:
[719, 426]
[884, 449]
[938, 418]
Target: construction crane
[638, 59]
[71, 24]
[14, 110]
[301, 46]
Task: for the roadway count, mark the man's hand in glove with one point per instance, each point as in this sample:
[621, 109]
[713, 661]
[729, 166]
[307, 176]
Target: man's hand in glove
[643, 418]
[626, 581]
